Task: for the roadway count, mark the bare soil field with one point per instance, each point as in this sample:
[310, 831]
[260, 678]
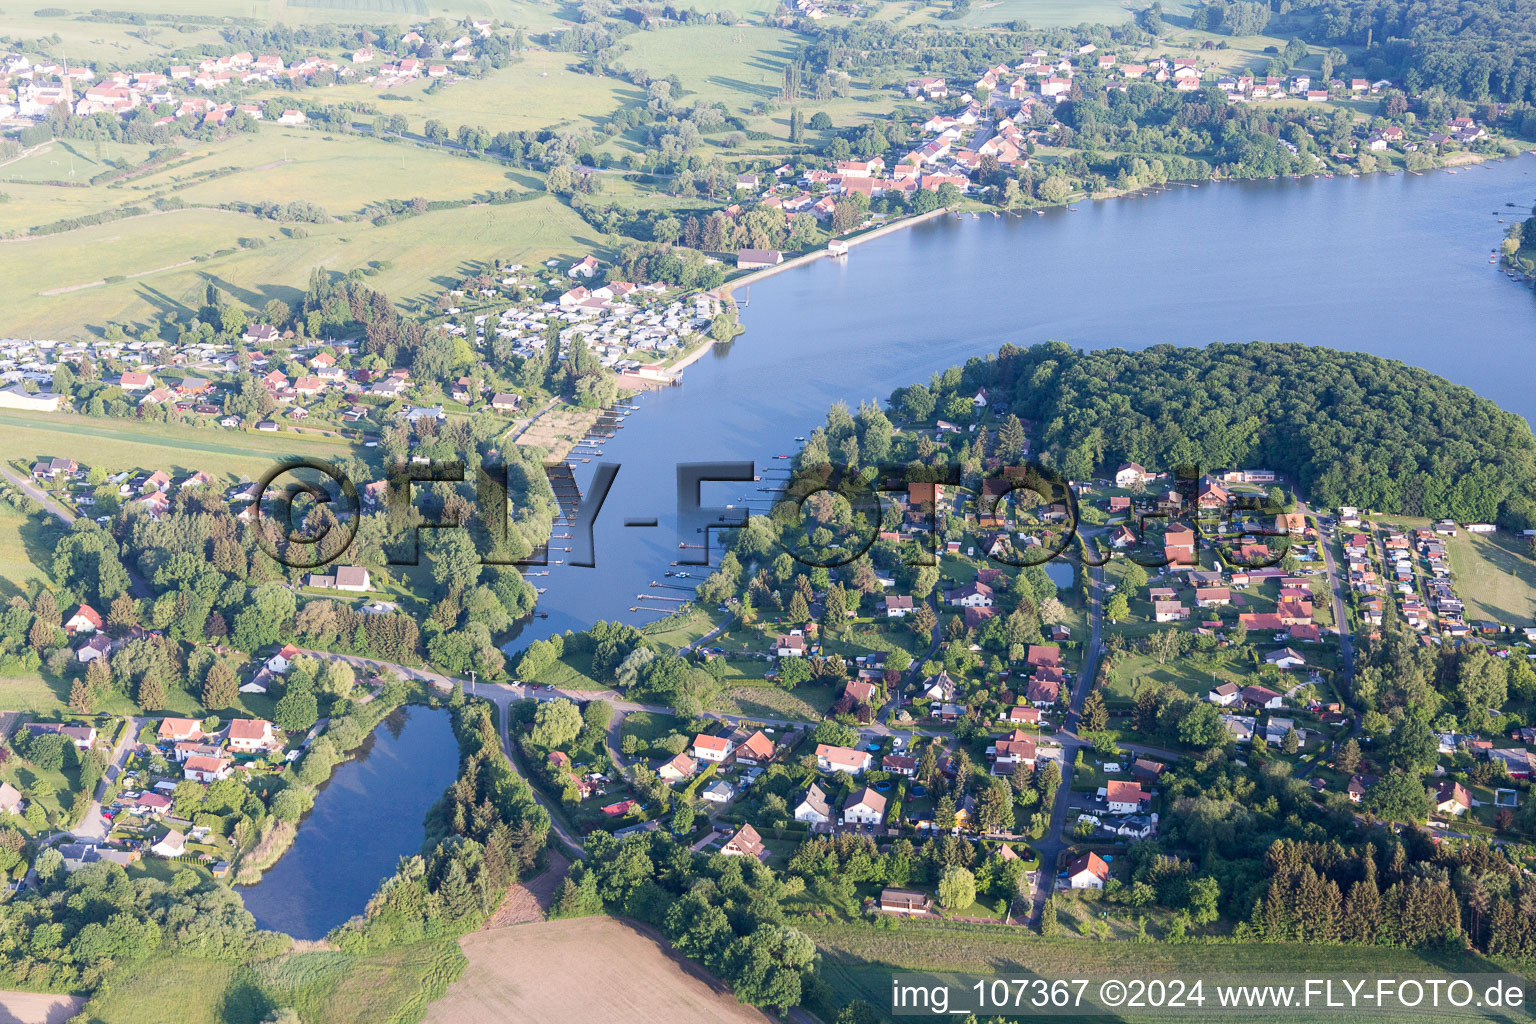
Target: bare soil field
[583, 971]
[530, 901]
[37, 1007]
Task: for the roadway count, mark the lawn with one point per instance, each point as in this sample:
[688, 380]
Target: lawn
[1194, 674]
[128, 444]
[1494, 576]
[858, 960]
[392, 986]
[22, 541]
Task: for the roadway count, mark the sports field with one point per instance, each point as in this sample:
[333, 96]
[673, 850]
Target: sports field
[529, 974]
[1495, 576]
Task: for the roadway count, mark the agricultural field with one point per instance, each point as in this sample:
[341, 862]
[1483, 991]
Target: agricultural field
[1494, 575]
[165, 262]
[527, 973]
[542, 90]
[739, 65]
[23, 540]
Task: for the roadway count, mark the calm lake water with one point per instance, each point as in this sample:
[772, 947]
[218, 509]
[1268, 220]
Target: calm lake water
[1396, 266]
[364, 820]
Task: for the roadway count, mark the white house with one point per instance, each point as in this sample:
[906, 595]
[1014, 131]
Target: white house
[711, 748]
[1087, 872]
[842, 759]
[1129, 475]
[814, 808]
[864, 808]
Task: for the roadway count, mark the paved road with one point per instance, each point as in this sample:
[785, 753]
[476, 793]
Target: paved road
[1051, 847]
[1336, 585]
[93, 825]
[501, 696]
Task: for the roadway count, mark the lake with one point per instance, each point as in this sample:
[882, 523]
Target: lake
[365, 819]
[1397, 266]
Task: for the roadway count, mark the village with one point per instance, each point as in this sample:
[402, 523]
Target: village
[32, 86]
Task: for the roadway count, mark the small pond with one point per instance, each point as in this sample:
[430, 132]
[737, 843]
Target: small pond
[365, 819]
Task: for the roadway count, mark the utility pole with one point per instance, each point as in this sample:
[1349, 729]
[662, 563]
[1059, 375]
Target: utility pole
[472, 682]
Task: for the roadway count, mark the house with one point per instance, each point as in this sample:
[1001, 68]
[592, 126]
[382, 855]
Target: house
[864, 808]
[676, 770]
[97, 646]
[972, 595]
[1043, 693]
[10, 799]
[352, 577]
[745, 843]
[719, 792]
[201, 768]
[85, 620]
[939, 687]
[756, 259]
[503, 402]
[134, 381]
[1450, 797]
[897, 606]
[1224, 695]
[1169, 611]
[1087, 872]
[842, 759]
[1130, 475]
[52, 469]
[1042, 656]
[78, 855]
[711, 748]
[1358, 786]
[1125, 797]
[1020, 715]
[899, 764]
[180, 730]
[1241, 729]
[1276, 728]
[1260, 697]
[280, 661]
[860, 692]
[1285, 658]
[172, 844]
[1212, 597]
[790, 646]
[584, 267]
[1017, 748]
[251, 735]
[755, 750]
[905, 901]
[814, 808]
[1517, 762]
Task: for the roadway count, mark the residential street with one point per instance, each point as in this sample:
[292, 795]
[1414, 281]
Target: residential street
[93, 825]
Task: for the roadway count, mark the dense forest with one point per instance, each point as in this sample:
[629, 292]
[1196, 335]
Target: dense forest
[1347, 428]
[1474, 49]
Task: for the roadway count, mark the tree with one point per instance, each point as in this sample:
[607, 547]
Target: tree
[1400, 796]
[151, 695]
[1201, 726]
[1095, 713]
[220, 689]
[1291, 742]
[298, 709]
[81, 699]
[957, 888]
[1118, 609]
[921, 620]
[1349, 756]
[555, 724]
[1412, 745]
